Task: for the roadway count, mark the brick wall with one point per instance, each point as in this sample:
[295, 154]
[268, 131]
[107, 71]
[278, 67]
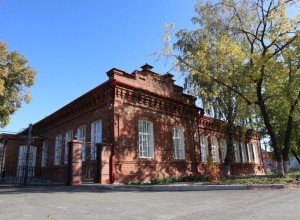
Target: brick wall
[120, 103]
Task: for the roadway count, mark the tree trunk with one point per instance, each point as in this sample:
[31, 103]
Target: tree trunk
[228, 158]
[288, 133]
[280, 170]
[269, 126]
[286, 166]
[296, 156]
[287, 143]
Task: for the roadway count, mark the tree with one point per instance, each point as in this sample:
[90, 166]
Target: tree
[15, 79]
[215, 57]
[284, 110]
[262, 32]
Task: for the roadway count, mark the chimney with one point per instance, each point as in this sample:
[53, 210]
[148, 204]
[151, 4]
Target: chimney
[146, 67]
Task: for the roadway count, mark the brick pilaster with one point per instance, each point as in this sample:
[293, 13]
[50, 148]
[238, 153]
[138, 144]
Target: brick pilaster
[75, 163]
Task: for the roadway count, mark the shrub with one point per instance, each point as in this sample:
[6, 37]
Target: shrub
[164, 180]
[212, 170]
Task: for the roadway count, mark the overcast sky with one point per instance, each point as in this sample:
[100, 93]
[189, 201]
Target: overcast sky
[73, 43]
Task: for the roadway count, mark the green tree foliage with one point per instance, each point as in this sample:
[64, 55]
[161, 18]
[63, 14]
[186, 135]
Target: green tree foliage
[245, 47]
[15, 79]
[212, 59]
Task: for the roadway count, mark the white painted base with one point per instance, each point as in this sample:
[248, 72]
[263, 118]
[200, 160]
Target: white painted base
[286, 166]
[280, 169]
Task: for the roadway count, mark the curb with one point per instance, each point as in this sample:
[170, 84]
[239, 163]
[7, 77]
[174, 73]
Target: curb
[192, 187]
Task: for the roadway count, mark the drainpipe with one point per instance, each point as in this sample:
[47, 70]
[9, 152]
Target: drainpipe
[27, 154]
[200, 115]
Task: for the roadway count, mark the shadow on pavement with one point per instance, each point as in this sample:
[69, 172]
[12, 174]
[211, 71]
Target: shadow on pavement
[93, 188]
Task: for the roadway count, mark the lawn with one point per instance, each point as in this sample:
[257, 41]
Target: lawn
[290, 180]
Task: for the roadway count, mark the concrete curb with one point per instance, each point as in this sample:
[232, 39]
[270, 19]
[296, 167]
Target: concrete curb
[185, 187]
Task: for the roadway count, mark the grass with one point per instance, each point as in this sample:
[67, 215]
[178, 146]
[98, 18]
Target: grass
[169, 180]
[291, 180]
[268, 179]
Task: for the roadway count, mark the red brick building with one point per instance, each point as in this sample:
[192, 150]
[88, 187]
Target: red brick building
[147, 126]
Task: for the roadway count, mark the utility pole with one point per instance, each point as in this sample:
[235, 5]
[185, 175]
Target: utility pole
[27, 154]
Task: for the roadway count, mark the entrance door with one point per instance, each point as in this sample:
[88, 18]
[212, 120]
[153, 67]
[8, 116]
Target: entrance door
[22, 161]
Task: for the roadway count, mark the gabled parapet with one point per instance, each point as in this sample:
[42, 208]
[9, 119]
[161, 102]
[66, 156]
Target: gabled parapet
[152, 82]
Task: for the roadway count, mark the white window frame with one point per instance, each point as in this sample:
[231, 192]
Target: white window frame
[255, 152]
[204, 148]
[214, 149]
[223, 148]
[237, 152]
[68, 138]
[58, 147]
[96, 137]
[178, 143]
[81, 136]
[22, 161]
[146, 139]
[44, 153]
[243, 149]
[250, 153]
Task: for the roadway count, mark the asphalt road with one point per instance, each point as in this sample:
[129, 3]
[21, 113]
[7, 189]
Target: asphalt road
[92, 202]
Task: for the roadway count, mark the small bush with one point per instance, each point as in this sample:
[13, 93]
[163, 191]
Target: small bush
[164, 180]
[192, 178]
[212, 170]
[294, 169]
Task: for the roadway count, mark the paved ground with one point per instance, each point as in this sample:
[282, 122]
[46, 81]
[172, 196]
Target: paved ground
[95, 202]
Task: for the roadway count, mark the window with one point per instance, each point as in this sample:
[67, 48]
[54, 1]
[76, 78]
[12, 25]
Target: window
[22, 161]
[68, 138]
[244, 156]
[81, 133]
[146, 147]
[178, 143]
[204, 148]
[237, 152]
[57, 154]
[215, 149]
[250, 153]
[255, 151]
[96, 137]
[223, 149]
[44, 154]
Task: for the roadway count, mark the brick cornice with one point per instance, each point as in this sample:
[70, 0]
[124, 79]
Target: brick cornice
[146, 98]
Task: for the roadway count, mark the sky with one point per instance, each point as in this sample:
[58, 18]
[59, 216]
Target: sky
[73, 43]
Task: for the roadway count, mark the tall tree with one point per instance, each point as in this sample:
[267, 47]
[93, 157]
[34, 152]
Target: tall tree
[263, 32]
[15, 79]
[284, 109]
[218, 58]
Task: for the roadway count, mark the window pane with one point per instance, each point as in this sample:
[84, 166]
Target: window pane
[223, 149]
[237, 152]
[146, 147]
[203, 143]
[178, 143]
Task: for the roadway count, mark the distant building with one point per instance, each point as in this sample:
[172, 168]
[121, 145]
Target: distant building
[147, 127]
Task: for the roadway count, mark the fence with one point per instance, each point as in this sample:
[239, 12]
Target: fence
[57, 162]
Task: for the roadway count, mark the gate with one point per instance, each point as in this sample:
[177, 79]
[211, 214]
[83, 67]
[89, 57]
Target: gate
[96, 164]
[89, 172]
